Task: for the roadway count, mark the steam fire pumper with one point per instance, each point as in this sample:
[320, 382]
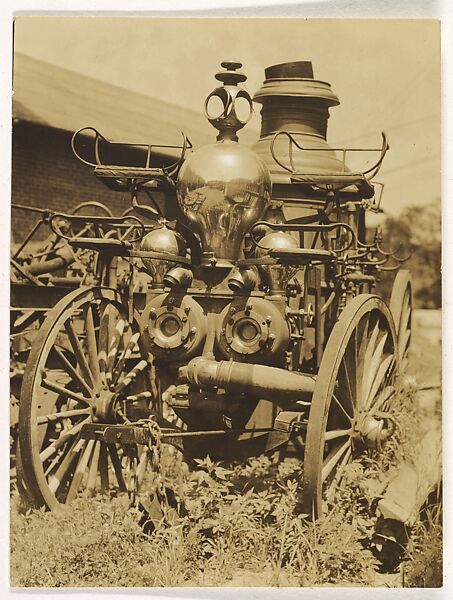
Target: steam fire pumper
[259, 326]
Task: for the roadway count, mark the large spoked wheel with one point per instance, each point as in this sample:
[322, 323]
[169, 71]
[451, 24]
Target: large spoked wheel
[353, 392]
[84, 366]
[401, 309]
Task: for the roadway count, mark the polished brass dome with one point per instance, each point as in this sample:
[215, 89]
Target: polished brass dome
[223, 189]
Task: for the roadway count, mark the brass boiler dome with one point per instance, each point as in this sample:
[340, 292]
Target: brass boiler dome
[293, 101]
[224, 188]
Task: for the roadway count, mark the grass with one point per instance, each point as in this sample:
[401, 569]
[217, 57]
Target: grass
[424, 567]
[239, 520]
[239, 527]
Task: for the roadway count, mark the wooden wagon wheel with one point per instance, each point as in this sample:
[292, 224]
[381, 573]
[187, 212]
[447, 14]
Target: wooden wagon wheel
[401, 309]
[353, 391]
[85, 365]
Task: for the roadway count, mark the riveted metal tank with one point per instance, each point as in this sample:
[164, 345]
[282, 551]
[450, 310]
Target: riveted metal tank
[224, 188]
[294, 101]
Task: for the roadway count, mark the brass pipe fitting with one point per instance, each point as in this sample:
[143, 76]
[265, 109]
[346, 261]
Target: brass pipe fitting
[178, 277]
[243, 279]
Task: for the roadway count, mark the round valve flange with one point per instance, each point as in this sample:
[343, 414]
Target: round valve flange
[252, 329]
[173, 326]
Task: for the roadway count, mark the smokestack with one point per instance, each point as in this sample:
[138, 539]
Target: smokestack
[293, 101]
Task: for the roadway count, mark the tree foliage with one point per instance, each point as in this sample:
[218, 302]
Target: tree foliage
[418, 227]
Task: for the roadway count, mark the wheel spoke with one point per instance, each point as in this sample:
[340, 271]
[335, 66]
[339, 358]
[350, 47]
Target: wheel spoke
[79, 354]
[104, 467]
[125, 355]
[342, 408]
[362, 335]
[55, 461]
[58, 477]
[339, 474]
[347, 374]
[337, 433]
[373, 367]
[129, 378]
[92, 343]
[70, 370]
[144, 396]
[369, 352]
[403, 343]
[66, 414]
[113, 349]
[65, 436]
[333, 458]
[117, 467]
[384, 369]
[104, 341]
[93, 471]
[80, 471]
[406, 304]
[386, 394]
[59, 389]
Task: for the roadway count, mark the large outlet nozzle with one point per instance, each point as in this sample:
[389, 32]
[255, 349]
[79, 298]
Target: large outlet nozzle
[257, 380]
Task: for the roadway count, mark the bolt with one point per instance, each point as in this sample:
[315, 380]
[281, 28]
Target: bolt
[151, 335]
[184, 319]
[271, 339]
[232, 310]
[249, 306]
[222, 331]
[152, 313]
[268, 319]
[184, 338]
[187, 309]
[193, 330]
[230, 321]
[169, 307]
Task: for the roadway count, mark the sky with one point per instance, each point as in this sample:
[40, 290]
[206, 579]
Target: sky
[386, 74]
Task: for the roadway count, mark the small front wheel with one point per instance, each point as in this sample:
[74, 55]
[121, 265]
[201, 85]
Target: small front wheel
[85, 366]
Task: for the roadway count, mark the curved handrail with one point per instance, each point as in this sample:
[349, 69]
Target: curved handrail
[98, 137]
[292, 142]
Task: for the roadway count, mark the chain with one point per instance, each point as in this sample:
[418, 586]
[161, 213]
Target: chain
[154, 451]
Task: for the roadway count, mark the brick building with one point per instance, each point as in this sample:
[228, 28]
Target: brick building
[49, 104]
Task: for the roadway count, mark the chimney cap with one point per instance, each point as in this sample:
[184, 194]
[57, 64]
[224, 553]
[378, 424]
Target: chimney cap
[300, 68]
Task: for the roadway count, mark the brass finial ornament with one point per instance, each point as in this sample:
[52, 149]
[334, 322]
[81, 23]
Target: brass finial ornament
[227, 122]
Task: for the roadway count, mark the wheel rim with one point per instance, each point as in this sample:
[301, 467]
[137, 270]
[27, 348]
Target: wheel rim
[401, 309]
[83, 367]
[353, 390]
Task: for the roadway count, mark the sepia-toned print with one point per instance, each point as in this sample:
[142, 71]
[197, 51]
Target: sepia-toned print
[225, 303]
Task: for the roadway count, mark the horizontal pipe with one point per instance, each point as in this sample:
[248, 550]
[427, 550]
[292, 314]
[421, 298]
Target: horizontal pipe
[63, 258]
[262, 381]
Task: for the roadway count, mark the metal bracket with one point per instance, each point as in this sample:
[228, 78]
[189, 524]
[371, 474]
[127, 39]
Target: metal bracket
[290, 421]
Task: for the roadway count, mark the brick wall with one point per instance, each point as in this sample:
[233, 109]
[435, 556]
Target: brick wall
[46, 174]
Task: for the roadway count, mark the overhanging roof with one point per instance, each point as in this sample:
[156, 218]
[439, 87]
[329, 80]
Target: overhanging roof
[50, 95]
